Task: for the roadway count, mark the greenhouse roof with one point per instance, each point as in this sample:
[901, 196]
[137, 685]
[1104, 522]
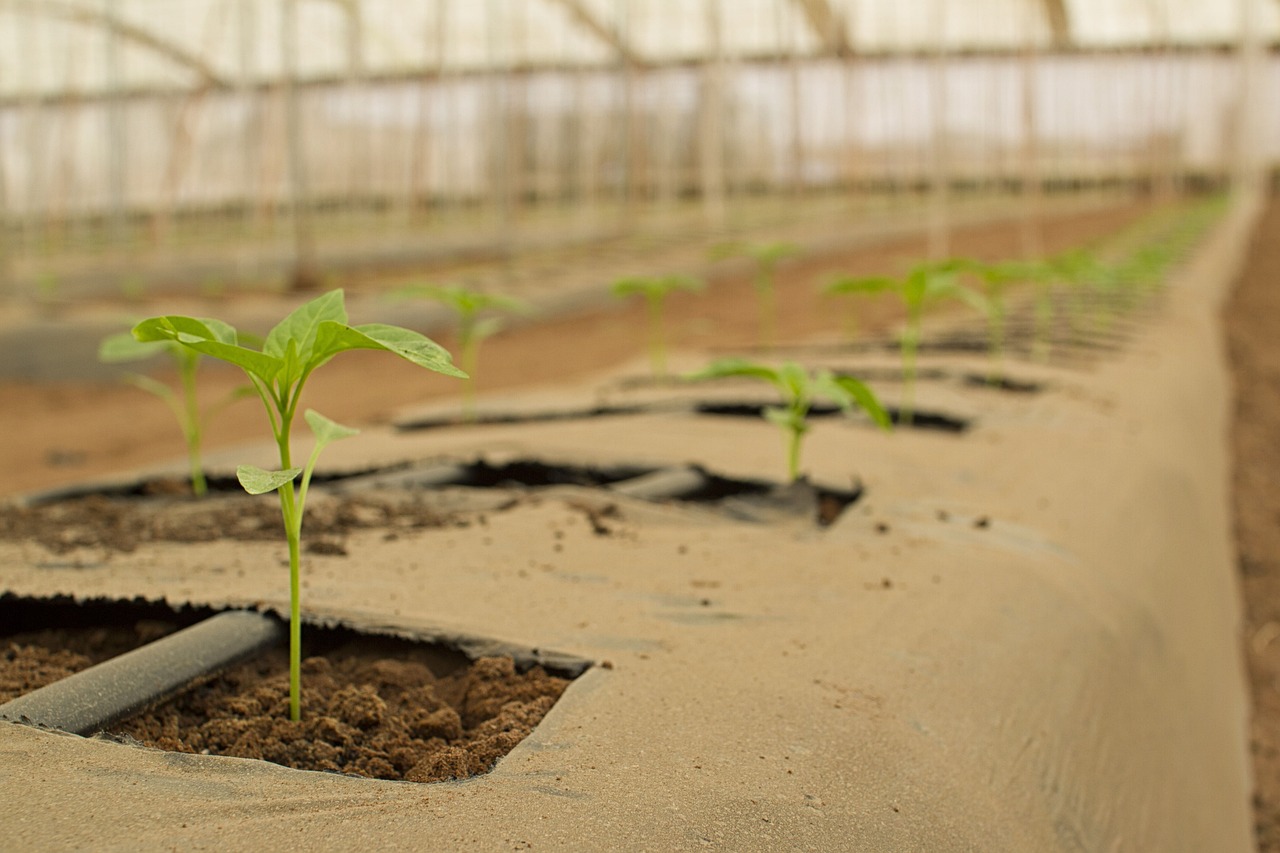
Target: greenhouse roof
[78, 47]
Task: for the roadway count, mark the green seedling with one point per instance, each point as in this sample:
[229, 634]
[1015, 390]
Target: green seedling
[995, 279]
[292, 351]
[183, 403]
[471, 306]
[799, 389]
[767, 256]
[655, 290]
[923, 286]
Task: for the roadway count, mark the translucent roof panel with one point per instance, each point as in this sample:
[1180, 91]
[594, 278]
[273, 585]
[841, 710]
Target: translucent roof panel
[76, 47]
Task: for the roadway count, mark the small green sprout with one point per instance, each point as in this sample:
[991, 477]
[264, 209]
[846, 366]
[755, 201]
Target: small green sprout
[184, 404]
[473, 328]
[995, 280]
[655, 290]
[924, 285]
[767, 256]
[799, 389]
[294, 349]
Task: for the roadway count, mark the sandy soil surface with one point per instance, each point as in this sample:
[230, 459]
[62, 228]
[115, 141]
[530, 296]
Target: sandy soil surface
[985, 654]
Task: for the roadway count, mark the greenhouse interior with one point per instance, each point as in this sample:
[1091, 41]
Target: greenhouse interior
[873, 446]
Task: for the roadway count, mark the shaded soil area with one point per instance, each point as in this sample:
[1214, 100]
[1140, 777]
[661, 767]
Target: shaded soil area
[121, 525]
[1252, 320]
[32, 659]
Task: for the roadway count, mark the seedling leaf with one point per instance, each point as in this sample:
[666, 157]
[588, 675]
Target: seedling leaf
[333, 338]
[327, 431]
[259, 481]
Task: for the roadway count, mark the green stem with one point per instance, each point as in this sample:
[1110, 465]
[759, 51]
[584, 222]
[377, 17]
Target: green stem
[469, 345]
[793, 453]
[191, 426]
[291, 510]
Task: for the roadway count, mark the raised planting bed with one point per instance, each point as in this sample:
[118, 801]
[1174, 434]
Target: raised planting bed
[381, 701]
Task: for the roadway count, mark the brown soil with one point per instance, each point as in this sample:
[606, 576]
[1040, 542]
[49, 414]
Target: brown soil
[32, 659]
[1252, 318]
[366, 714]
[121, 525]
[372, 707]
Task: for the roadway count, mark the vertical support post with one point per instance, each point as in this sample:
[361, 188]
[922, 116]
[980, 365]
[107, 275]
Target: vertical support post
[940, 149]
[1032, 181]
[711, 121]
[304, 275]
[117, 151]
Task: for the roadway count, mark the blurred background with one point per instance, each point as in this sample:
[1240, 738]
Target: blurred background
[214, 145]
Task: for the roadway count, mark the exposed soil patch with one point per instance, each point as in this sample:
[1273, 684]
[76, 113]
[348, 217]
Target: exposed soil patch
[373, 706]
[365, 713]
[123, 524]
[1252, 318]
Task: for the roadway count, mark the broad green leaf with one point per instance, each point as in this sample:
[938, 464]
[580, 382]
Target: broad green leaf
[727, 367]
[866, 284]
[325, 430]
[259, 481]
[196, 335]
[303, 324]
[866, 400]
[334, 338]
[125, 347]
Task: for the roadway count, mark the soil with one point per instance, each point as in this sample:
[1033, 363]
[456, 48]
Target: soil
[374, 706]
[47, 443]
[366, 714]
[1252, 317]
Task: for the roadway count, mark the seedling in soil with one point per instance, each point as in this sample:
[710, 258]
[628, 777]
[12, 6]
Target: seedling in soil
[925, 285]
[995, 280]
[767, 257]
[301, 343]
[799, 389]
[473, 327]
[183, 403]
[655, 290]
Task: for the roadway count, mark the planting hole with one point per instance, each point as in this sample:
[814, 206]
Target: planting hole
[389, 704]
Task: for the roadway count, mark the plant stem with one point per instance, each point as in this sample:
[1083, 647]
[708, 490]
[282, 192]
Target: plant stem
[469, 345]
[793, 453]
[291, 510]
[191, 427]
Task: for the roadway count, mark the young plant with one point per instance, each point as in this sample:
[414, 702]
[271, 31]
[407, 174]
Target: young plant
[183, 403]
[767, 257]
[470, 306]
[923, 286]
[655, 290]
[995, 280]
[799, 389]
[300, 344]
